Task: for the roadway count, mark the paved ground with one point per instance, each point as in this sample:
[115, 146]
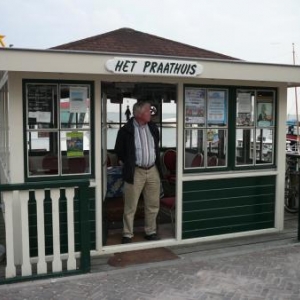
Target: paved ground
[251, 272]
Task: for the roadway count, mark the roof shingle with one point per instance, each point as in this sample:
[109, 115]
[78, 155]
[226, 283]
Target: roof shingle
[130, 41]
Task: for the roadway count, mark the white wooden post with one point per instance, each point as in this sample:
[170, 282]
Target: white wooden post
[26, 265]
[71, 263]
[10, 270]
[56, 263]
[41, 265]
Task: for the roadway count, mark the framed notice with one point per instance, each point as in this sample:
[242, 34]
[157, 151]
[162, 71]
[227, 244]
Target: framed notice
[75, 144]
[40, 104]
[216, 108]
[264, 113]
[78, 97]
[194, 106]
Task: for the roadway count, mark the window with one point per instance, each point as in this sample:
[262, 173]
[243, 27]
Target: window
[255, 127]
[58, 129]
[123, 95]
[206, 128]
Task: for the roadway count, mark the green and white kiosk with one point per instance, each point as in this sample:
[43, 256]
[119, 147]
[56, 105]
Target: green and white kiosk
[228, 133]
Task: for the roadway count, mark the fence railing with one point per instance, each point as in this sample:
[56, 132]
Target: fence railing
[27, 233]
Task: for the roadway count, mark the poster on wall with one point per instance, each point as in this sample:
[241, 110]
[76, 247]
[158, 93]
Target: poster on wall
[264, 113]
[78, 97]
[194, 106]
[75, 144]
[244, 109]
[216, 108]
[40, 101]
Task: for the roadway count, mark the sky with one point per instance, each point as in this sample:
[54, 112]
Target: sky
[252, 30]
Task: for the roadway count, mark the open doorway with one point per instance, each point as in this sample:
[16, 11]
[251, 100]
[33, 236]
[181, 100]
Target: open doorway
[118, 100]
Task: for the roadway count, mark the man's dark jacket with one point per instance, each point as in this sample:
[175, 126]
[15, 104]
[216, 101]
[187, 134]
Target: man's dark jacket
[125, 149]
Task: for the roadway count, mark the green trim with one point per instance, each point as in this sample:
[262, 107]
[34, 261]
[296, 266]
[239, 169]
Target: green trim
[43, 185]
[92, 128]
[41, 276]
[231, 129]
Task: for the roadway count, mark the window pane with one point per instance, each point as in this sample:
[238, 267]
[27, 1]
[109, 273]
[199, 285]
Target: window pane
[194, 150]
[42, 153]
[264, 146]
[112, 136]
[75, 152]
[169, 135]
[216, 147]
[265, 108]
[245, 108]
[216, 108]
[195, 111]
[244, 146]
[74, 106]
[41, 103]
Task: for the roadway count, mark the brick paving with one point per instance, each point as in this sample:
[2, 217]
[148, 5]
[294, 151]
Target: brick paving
[254, 273]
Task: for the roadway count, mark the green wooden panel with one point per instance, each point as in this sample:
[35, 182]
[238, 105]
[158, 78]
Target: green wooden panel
[227, 211]
[215, 207]
[32, 219]
[228, 202]
[227, 229]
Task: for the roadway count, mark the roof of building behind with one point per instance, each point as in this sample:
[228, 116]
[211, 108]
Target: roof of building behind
[130, 41]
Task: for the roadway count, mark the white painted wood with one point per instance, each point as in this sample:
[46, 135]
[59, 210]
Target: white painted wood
[71, 263]
[26, 265]
[281, 157]
[98, 162]
[10, 270]
[41, 264]
[94, 63]
[56, 263]
[179, 165]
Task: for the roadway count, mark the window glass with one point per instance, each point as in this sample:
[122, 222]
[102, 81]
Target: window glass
[244, 150]
[168, 123]
[206, 109]
[41, 103]
[42, 153]
[216, 147]
[255, 121]
[120, 98]
[50, 147]
[75, 152]
[74, 106]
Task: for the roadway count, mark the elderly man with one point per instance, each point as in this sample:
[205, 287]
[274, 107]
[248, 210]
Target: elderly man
[137, 148]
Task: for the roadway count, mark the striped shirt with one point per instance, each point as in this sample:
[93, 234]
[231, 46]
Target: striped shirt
[144, 145]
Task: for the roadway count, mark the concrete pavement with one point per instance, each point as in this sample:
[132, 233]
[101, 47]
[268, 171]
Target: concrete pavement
[263, 271]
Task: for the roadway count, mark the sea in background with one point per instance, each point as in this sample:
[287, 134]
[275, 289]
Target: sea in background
[168, 133]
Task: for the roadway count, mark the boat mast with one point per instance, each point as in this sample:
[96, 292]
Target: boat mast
[296, 99]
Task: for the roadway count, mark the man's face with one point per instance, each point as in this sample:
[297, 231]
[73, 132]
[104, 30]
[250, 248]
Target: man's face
[145, 114]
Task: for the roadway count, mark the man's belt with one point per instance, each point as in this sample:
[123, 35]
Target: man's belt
[145, 168]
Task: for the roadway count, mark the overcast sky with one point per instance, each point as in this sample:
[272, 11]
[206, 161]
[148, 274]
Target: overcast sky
[253, 30]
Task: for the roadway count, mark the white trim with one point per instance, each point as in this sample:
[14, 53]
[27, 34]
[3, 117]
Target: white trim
[94, 63]
[230, 174]
[98, 163]
[281, 152]
[173, 242]
[4, 79]
[180, 143]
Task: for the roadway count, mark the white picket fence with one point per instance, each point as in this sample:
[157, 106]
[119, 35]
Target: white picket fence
[17, 233]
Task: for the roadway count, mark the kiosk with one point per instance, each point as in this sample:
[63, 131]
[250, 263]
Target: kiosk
[228, 134]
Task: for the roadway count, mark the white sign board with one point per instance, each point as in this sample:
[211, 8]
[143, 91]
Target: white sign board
[158, 67]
